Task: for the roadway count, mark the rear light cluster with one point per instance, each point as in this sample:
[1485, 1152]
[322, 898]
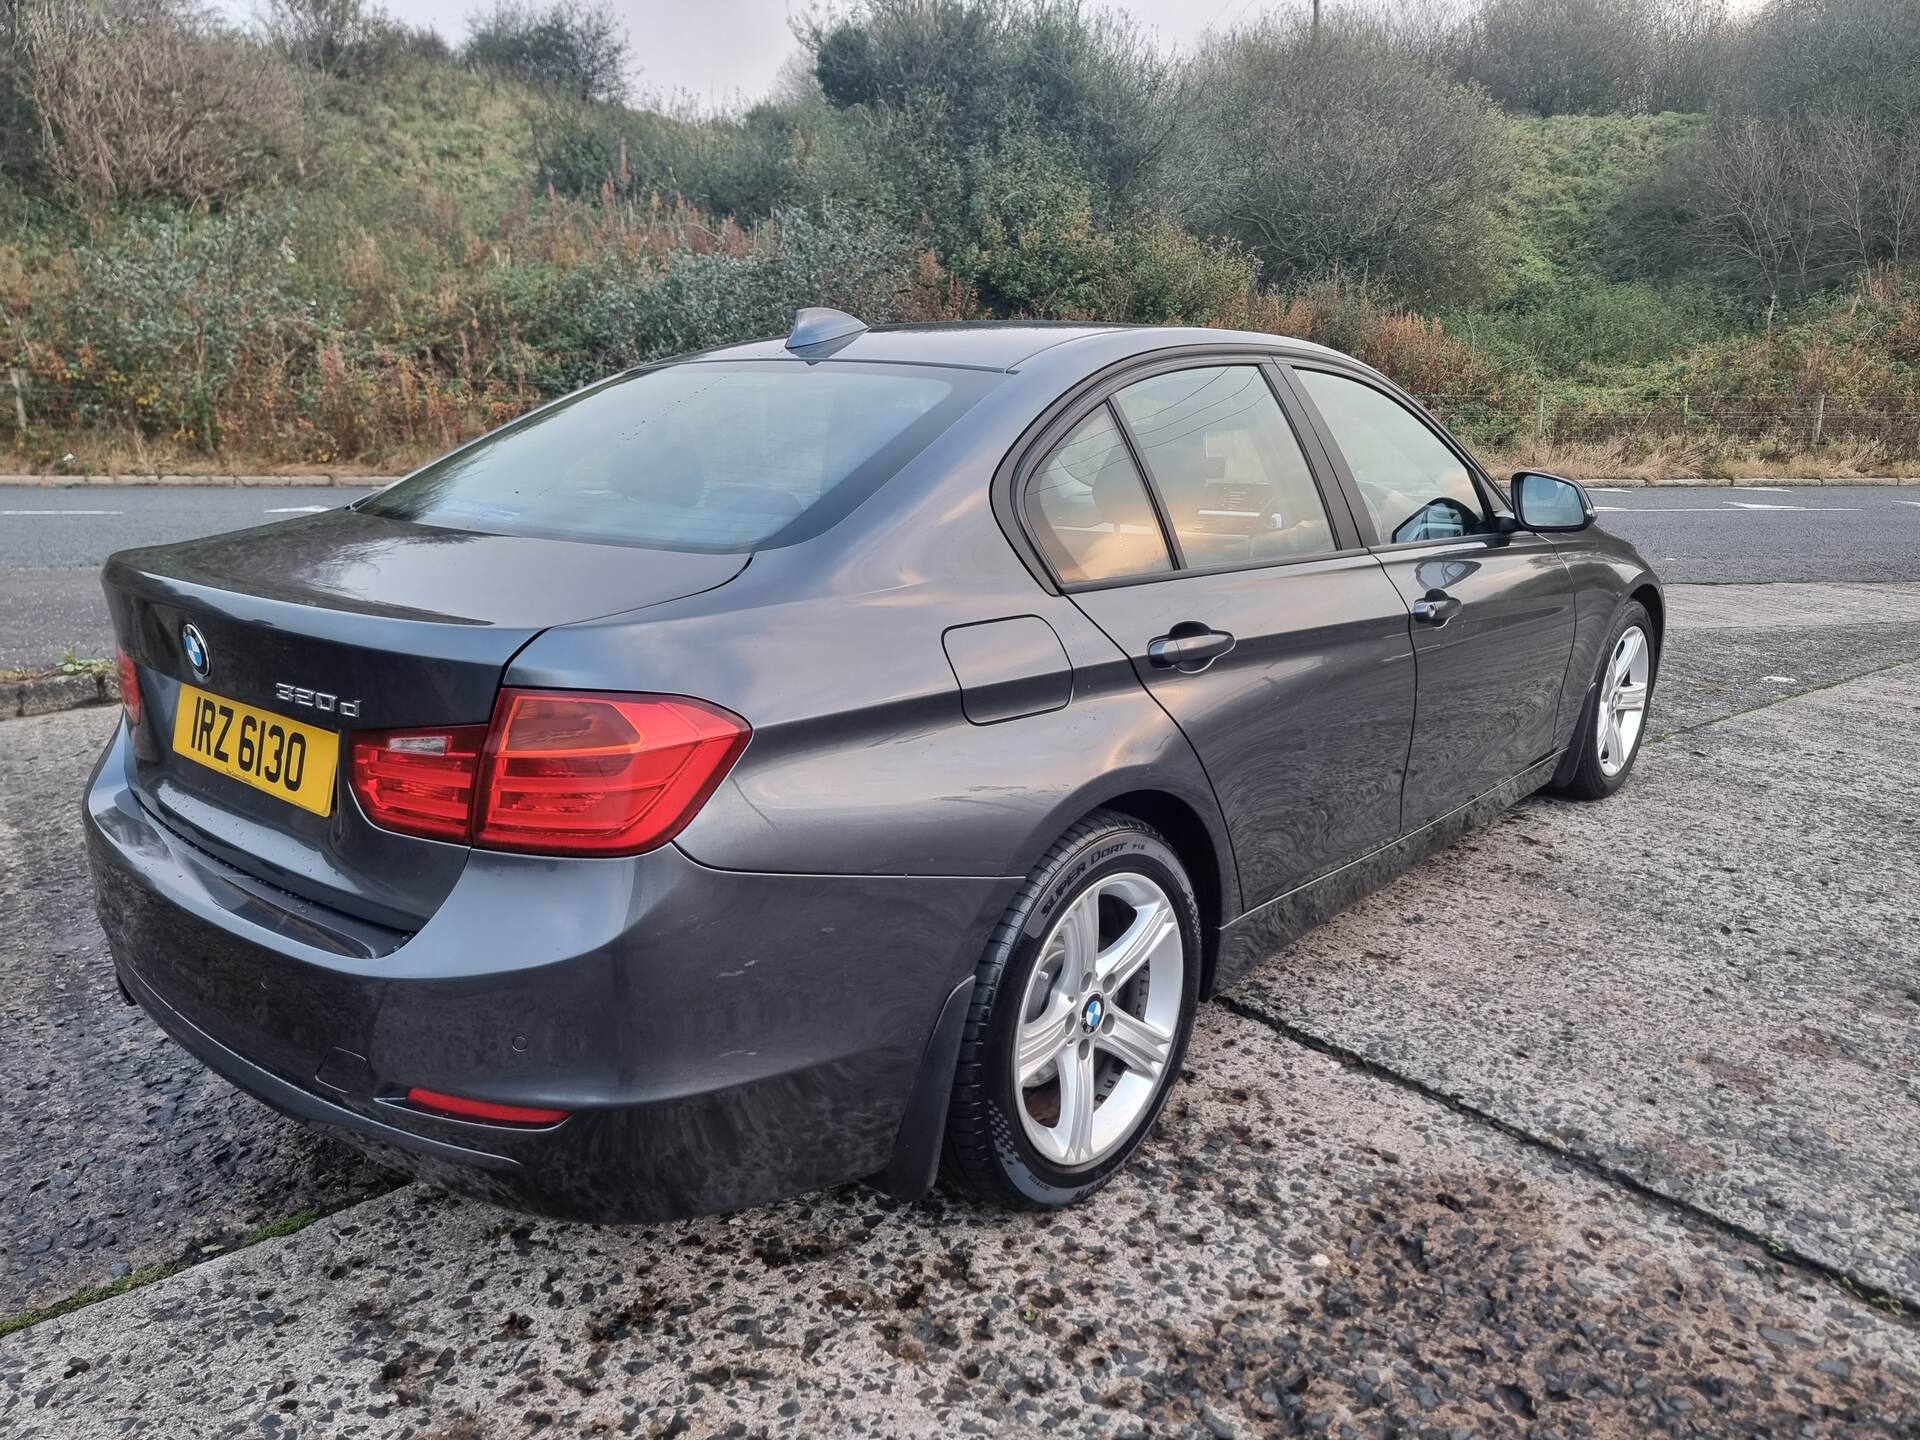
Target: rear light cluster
[558, 772]
[129, 686]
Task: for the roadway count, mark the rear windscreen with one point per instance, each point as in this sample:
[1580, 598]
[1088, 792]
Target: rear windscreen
[717, 456]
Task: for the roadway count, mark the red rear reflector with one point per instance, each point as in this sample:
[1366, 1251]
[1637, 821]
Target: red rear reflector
[419, 782]
[580, 774]
[129, 685]
[483, 1109]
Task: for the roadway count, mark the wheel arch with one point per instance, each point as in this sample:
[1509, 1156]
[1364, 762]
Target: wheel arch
[1648, 594]
[1196, 845]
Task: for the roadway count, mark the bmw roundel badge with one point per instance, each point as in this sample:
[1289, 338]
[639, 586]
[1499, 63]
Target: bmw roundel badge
[196, 647]
[1095, 1012]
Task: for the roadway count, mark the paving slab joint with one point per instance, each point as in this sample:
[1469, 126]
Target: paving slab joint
[1903, 1308]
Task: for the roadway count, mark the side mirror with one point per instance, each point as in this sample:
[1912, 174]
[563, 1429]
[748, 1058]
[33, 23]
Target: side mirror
[1548, 503]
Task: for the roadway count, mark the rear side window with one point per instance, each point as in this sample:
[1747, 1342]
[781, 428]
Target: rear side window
[1088, 508]
[706, 456]
[1414, 486]
[1226, 466]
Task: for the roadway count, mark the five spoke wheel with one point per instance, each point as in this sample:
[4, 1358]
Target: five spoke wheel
[1098, 1020]
[1623, 699]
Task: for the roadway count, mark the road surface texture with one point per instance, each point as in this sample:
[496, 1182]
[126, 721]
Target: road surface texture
[52, 542]
[1606, 1121]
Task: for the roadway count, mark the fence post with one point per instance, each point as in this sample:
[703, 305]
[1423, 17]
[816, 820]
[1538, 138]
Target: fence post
[1819, 419]
[1540, 420]
[1686, 415]
[19, 402]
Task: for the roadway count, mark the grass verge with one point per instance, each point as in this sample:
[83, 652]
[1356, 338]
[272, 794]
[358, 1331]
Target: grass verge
[138, 1279]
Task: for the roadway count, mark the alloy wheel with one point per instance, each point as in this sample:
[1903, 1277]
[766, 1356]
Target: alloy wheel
[1098, 1020]
[1623, 700]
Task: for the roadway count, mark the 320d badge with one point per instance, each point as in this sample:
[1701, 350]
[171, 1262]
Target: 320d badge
[847, 756]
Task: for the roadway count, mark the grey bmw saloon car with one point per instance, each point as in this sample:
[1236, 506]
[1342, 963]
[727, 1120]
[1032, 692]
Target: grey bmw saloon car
[851, 756]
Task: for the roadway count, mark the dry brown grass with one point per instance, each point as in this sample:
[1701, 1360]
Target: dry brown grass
[1675, 459]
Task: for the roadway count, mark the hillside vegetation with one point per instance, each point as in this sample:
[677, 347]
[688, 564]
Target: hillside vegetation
[1605, 234]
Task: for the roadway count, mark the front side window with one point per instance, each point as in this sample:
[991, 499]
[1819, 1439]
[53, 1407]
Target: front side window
[1225, 463]
[1088, 508]
[1414, 486]
[711, 456]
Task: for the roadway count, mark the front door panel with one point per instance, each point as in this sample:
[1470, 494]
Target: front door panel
[1303, 725]
[1490, 676]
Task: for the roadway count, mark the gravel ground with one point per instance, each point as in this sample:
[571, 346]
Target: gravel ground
[1301, 1250]
[1705, 983]
[119, 1150]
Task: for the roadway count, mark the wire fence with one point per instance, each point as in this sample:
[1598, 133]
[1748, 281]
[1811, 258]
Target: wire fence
[45, 415]
[1760, 425]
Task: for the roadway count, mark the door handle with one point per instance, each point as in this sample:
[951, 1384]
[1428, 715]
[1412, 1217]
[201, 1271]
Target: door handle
[1189, 647]
[1437, 607]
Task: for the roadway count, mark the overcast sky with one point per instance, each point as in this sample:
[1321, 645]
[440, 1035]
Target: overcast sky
[722, 50]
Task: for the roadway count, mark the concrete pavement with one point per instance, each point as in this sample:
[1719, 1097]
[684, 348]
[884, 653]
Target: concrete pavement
[1589, 1049]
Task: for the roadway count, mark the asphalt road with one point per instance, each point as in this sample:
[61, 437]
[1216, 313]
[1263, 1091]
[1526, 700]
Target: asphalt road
[1759, 535]
[1492, 1153]
[52, 542]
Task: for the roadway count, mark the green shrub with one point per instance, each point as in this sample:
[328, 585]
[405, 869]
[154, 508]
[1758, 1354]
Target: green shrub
[1333, 149]
[167, 313]
[575, 47]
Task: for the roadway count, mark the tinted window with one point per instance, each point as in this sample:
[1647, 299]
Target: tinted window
[1414, 486]
[1230, 474]
[722, 457]
[1088, 507]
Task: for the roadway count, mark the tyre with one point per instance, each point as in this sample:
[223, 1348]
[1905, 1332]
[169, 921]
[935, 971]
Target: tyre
[1614, 722]
[1079, 1019]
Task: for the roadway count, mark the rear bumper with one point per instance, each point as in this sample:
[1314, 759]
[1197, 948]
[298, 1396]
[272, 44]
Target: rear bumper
[721, 1039]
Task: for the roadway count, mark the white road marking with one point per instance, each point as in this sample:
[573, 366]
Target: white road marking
[1763, 505]
[1907, 502]
[1661, 509]
[1780, 679]
[62, 512]
[1604, 490]
[1762, 489]
[298, 509]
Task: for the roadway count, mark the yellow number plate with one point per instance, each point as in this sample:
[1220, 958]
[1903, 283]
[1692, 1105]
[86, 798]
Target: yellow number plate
[269, 752]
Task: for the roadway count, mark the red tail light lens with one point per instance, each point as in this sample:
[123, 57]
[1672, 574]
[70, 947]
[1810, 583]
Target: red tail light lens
[129, 686]
[419, 782]
[568, 773]
[557, 773]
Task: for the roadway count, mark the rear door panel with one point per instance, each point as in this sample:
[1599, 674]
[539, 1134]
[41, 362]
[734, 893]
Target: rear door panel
[1303, 725]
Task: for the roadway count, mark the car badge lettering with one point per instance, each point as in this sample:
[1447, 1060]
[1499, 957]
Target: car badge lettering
[317, 700]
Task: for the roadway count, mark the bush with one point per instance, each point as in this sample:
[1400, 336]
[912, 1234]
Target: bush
[138, 100]
[741, 166]
[163, 318]
[936, 82]
[1335, 150]
[346, 37]
[575, 47]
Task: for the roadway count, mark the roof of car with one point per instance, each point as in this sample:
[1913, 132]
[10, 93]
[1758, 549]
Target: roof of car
[995, 344]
